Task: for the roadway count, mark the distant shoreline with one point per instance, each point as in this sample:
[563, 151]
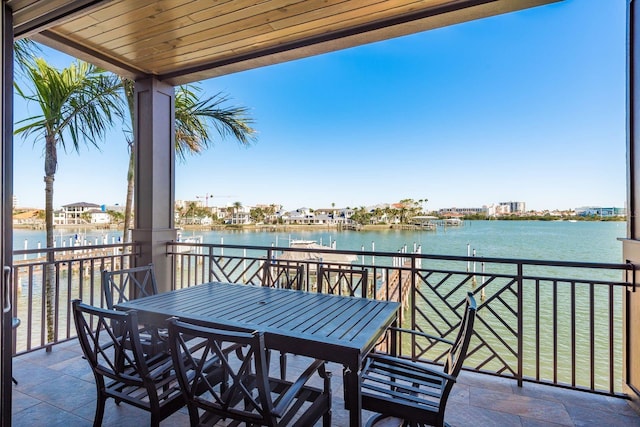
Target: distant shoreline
[290, 227]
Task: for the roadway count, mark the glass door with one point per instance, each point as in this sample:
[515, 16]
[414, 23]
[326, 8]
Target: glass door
[6, 196]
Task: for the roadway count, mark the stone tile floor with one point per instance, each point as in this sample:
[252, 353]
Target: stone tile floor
[57, 389]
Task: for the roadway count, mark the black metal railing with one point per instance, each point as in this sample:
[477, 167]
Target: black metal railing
[76, 271]
[542, 321]
[551, 322]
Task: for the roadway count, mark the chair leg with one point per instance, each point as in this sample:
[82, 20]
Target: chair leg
[194, 417]
[97, 419]
[283, 366]
[326, 419]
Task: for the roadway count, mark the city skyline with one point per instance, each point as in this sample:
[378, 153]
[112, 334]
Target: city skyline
[525, 106]
[203, 204]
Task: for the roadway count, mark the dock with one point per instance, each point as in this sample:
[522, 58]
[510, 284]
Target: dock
[397, 287]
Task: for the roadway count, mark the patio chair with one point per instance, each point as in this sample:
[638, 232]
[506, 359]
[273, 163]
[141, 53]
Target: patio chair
[135, 282]
[343, 281]
[397, 387]
[245, 394]
[283, 275]
[111, 344]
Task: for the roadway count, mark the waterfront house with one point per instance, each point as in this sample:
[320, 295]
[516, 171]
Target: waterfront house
[327, 211]
[238, 216]
[300, 216]
[98, 216]
[75, 213]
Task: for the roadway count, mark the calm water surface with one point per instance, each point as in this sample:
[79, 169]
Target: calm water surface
[544, 240]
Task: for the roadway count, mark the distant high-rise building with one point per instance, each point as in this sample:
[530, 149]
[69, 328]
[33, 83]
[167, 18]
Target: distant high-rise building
[15, 201]
[514, 207]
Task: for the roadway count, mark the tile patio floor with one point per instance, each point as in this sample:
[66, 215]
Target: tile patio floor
[57, 389]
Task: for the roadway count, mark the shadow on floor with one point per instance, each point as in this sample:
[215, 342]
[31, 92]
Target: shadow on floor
[57, 389]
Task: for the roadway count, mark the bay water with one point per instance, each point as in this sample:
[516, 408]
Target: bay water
[583, 241]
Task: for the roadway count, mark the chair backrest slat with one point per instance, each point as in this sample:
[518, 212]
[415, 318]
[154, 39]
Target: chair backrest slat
[283, 275]
[122, 285]
[343, 281]
[458, 351]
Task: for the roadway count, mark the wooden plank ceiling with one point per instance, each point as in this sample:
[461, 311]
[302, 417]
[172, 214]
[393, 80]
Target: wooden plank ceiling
[182, 41]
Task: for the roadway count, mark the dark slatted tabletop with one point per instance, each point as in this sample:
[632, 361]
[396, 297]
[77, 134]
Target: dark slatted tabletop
[333, 321]
[329, 327]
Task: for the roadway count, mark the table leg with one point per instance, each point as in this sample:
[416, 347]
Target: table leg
[352, 395]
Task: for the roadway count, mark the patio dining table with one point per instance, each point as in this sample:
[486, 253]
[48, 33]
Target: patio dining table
[333, 328]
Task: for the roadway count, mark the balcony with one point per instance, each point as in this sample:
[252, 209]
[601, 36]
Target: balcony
[547, 345]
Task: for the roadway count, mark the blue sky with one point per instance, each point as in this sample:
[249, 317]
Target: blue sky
[528, 106]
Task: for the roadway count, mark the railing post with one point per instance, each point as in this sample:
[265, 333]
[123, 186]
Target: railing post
[211, 263]
[413, 306]
[520, 325]
[266, 277]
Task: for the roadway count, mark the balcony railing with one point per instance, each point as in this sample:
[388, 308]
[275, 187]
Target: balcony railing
[550, 322]
[77, 275]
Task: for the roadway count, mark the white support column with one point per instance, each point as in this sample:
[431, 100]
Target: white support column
[155, 176]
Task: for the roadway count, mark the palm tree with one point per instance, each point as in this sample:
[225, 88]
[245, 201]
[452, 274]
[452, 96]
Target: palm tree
[422, 202]
[378, 214]
[78, 104]
[236, 208]
[192, 120]
[270, 211]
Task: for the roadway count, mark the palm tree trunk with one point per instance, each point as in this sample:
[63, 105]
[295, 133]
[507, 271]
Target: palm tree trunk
[50, 162]
[49, 275]
[128, 208]
[129, 89]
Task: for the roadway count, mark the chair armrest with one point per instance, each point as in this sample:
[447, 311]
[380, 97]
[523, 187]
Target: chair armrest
[421, 334]
[411, 365]
[296, 387]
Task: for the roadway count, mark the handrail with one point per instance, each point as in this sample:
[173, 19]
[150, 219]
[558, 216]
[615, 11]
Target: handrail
[478, 259]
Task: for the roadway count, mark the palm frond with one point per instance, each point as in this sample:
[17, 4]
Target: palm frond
[193, 118]
[78, 103]
[24, 50]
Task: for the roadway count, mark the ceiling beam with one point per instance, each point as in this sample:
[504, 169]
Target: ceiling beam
[44, 14]
[93, 56]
